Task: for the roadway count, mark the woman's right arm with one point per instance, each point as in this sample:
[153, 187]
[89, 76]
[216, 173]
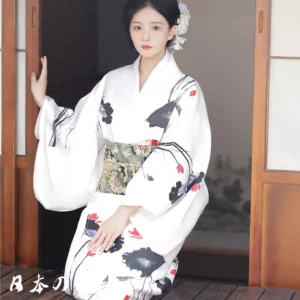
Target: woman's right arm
[60, 120]
[68, 148]
[38, 87]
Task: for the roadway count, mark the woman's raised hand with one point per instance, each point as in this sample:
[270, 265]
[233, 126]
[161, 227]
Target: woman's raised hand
[38, 87]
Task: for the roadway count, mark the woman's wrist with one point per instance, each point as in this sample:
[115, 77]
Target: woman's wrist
[128, 210]
[40, 101]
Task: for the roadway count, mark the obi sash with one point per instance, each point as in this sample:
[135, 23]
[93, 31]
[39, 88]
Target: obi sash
[121, 162]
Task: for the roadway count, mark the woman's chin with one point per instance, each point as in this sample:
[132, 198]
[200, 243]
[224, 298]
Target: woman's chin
[150, 53]
[147, 53]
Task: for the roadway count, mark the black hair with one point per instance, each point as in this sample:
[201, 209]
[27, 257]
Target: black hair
[167, 8]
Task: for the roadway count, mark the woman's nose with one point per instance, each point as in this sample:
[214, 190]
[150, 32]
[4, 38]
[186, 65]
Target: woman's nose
[146, 36]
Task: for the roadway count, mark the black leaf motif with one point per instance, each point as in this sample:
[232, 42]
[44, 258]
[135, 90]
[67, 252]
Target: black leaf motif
[150, 178]
[119, 242]
[164, 284]
[106, 111]
[160, 118]
[91, 227]
[144, 260]
[175, 194]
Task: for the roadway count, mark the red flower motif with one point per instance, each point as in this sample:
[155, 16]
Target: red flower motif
[135, 234]
[127, 298]
[93, 217]
[90, 253]
[173, 272]
[193, 93]
[195, 187]
[180, 169]
[154, 142]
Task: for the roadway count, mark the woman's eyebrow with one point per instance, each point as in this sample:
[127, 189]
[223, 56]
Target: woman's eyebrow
[136, 22]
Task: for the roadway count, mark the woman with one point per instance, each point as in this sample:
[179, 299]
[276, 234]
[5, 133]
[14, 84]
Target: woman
[135, 151]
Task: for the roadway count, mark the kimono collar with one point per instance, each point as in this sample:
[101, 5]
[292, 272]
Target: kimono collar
[161, 65]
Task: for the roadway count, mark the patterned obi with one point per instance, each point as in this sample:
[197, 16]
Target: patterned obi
[121, 162]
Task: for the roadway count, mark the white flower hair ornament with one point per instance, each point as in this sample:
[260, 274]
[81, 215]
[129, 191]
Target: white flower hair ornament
[183, 24]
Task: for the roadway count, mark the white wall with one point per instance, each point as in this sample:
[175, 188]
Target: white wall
[219, 53]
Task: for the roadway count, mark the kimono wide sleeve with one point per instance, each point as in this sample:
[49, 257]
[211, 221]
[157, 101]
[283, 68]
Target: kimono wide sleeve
[178, 165]
[67, 152]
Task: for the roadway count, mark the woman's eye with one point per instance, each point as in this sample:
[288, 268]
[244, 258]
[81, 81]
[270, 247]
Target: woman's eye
[137, 27]
[156, 28]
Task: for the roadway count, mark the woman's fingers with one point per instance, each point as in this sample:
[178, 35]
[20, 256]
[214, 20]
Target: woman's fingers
[95, 238]
[105, 245]
[103, 242]
[110, 243]
[99, 243]
[44, 73]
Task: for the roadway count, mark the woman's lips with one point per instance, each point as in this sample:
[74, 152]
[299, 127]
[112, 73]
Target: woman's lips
[146, 47]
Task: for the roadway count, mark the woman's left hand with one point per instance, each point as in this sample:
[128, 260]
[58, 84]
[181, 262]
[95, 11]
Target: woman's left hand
[111, 229]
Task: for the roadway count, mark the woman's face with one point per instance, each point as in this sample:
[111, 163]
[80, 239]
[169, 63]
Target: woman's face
[150, 32]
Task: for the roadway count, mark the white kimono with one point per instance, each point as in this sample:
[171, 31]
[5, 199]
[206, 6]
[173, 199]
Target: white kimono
[165, 126]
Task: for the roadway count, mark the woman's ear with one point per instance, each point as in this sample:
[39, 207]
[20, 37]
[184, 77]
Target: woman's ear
[172, 32]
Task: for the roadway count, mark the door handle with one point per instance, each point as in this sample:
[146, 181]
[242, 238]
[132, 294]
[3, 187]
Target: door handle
[33, 18]
[260, 21]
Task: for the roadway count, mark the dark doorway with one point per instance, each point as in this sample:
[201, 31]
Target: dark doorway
[82, 42]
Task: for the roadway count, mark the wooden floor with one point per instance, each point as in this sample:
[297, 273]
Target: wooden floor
[182, 289]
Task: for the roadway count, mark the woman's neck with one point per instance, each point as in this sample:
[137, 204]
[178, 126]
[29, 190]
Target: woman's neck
[148, 64]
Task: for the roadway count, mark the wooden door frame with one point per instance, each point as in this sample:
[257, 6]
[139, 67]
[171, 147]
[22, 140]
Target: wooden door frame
[19, 208]
[261, 74]
[260, 174]
[27, 204]
[8, 240]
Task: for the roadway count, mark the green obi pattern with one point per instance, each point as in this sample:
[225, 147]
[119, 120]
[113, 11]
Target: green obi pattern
[121, 162]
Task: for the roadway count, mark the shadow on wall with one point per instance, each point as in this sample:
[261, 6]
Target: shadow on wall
[228, 209]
